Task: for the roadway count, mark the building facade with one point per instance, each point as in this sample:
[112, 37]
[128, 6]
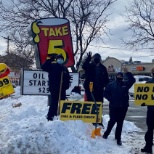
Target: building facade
[136, 67]
[114, 65]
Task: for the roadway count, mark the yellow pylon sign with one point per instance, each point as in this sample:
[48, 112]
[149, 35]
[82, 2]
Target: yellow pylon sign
[6, 87]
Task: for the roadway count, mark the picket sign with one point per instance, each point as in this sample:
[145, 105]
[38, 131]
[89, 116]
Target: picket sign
[78, 110]
[144, 94]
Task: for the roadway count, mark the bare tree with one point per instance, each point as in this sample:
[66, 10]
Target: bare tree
[140, 16]
[16, 62]
[88, 18]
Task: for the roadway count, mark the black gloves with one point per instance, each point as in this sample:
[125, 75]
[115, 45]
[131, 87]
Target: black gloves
[52, 58]
[89, 54]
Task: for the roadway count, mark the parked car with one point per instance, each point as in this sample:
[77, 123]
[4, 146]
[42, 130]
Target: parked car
[139, 79]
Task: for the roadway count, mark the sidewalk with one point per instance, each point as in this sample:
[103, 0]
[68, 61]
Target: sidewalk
[137, 143]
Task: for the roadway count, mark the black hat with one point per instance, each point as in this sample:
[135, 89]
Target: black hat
[97, 55]
[59, 56]
[120, 74]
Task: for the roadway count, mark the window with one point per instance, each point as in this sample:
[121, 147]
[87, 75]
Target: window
[144, 79]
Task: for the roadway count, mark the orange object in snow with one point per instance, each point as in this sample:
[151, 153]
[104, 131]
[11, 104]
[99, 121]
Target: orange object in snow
[96, 131]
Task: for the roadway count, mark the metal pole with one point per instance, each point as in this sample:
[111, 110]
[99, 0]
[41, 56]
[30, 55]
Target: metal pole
[8, 43]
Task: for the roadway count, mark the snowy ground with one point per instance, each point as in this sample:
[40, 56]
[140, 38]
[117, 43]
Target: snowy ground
[25, 130]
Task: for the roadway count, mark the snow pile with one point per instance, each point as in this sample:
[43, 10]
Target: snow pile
[25, 129]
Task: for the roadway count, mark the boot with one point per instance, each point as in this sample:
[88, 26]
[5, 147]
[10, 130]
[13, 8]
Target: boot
[49, 118]
[147, 149]
[104, 136]
[119, 142]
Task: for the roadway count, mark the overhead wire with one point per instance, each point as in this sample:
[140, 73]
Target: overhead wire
[114, 48]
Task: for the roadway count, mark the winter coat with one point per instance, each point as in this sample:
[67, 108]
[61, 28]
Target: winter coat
[151, 81]
[117, 92]
[54, 73]
[96, 74]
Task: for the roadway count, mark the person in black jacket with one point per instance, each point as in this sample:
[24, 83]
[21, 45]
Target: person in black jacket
[95, 72]
[59, 80]
[116, 93]
[150, 123]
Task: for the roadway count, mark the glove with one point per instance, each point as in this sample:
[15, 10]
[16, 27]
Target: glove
[89, 54]
[143, 104]
[53, 57]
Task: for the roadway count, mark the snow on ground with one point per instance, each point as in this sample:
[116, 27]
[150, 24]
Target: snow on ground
[25, 130]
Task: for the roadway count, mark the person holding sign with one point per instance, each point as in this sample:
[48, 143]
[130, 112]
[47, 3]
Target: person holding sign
[150, 123]
[59, 81]
[116, 93]
[97, 73]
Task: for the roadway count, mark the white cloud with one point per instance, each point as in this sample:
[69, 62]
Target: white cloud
[113, 45]
[117, 22]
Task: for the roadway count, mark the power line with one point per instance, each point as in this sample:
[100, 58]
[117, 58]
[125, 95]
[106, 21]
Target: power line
[143, 56]
[116, 48]
[125, 49]
[107, 47]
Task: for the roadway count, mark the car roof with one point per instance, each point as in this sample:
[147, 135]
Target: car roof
[142, 76]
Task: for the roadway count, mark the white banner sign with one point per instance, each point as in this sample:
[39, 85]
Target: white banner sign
[35, 82]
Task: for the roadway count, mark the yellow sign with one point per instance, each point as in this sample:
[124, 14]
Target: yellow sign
[77, 110]
[144, 94]
[6, 87]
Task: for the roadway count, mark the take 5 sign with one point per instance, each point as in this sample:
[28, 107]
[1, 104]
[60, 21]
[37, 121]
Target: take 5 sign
[53, 37]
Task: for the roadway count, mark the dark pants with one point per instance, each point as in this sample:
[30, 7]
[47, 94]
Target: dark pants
[54, 103]
[116, 114]
[150, 128]
[98, 95]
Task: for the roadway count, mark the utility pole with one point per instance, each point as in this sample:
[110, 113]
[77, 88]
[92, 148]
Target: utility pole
[8, 43]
